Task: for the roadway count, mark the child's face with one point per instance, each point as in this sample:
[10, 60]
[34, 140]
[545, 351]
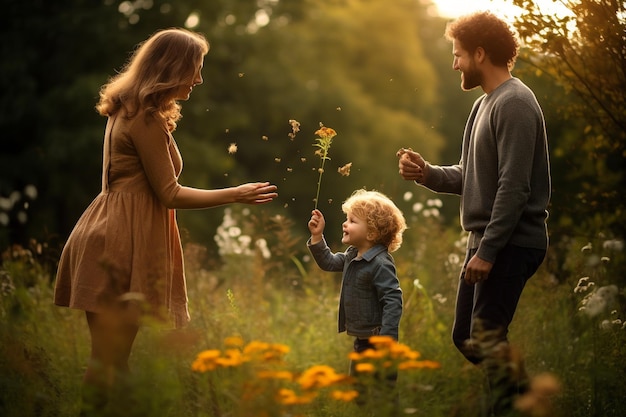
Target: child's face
[355, 233]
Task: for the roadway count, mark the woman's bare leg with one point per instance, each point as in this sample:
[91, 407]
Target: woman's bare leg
[112, 338]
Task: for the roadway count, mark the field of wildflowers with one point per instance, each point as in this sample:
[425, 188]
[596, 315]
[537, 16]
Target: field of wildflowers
[263, 338]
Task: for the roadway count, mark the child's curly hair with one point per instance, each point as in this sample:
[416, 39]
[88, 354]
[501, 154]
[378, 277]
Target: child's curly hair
[381, 215]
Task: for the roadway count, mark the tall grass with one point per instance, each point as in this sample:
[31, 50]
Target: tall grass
[564, 327]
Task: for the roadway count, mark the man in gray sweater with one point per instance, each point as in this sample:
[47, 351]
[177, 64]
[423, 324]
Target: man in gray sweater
[503, 179]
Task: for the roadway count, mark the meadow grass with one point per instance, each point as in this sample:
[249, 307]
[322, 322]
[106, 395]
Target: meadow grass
[286, 300]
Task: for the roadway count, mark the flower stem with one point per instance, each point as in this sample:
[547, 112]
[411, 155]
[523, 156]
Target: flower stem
[319, 181]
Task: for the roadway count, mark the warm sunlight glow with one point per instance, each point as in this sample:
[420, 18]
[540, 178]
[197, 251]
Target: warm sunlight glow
[455, 8]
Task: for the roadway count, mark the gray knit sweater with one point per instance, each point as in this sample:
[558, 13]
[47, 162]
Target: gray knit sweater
[503, 176]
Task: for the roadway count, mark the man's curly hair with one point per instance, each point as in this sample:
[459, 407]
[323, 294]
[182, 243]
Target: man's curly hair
[487, 31]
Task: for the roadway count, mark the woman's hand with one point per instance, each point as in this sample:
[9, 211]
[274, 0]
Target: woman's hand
[256, 193]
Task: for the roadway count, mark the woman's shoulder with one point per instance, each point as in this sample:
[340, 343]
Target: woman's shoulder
[143, 120]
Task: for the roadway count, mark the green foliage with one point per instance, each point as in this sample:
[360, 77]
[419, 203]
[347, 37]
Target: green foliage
[44, 348]
[340, 63]
[583, 52]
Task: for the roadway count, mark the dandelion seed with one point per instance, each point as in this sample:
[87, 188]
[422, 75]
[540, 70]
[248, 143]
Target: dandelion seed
[440, 298]
[345, 170]
[232, 148]
[277, 159]
[330, 201]
[295, 128]
[600, 300]
[407, 196]
[241, 74]
[227, 130]
[586, 248]
[302, 159]
[338, 108]
[264, 137]
[614, 244]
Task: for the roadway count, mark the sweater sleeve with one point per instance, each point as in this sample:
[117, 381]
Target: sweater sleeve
[153, 144]
[444, 179]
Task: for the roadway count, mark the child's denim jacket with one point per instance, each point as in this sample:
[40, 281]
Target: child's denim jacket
[370, 302]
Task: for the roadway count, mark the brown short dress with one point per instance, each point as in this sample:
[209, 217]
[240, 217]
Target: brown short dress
[127, 242]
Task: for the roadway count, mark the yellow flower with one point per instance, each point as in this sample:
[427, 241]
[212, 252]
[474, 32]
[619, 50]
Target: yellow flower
[412, 364]
[320, 376]
[372, 354]
[398, 350]
[364, 368]
[231, 358]
[255, 347]
[205, 361]
[326, 132]
[381, 341]
[289, 397]
[346, 396]
[323, 142]
[234, 341]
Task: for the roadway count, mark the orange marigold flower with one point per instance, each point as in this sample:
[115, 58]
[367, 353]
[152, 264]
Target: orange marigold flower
[231, 358]
[326, 132]
[382, 341]
[319, 376]
[346, 396]
[234, 341]
[289, 397]
[205, 361]
[412, 364]
[365, 368]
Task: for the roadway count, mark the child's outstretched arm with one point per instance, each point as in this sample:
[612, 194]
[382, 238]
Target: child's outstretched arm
[316, 226]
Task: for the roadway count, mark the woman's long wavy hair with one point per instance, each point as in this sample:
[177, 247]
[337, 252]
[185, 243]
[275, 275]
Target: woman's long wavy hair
[152, 76]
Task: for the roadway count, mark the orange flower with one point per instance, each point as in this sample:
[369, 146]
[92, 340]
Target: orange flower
[323, 142]
[346, 396]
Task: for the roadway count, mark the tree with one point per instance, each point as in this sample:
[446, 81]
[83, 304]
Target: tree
[584, 51]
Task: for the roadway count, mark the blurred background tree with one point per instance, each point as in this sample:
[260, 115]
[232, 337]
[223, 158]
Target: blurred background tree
[581, 56]
[378, 73]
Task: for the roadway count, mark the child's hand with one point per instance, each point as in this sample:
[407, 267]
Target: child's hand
[316, 226]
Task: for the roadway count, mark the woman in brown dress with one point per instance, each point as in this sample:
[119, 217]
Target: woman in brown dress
[125, 251]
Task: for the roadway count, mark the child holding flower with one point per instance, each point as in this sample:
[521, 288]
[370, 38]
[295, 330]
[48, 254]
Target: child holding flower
[371, 298]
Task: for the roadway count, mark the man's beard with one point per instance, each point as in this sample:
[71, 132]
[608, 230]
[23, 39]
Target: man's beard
[471, 79]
